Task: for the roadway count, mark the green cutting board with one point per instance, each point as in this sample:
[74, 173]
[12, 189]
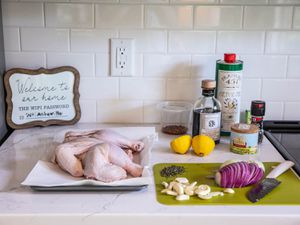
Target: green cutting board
[287, 193]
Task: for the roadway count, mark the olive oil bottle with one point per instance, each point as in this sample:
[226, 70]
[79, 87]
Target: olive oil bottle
[207, 112]
[228, 92]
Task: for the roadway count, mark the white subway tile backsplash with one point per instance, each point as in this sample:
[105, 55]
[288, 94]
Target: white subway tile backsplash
[244, 2]
[11, 38]
[99, 88]
[296, 24]
[147, 40]
[49, 39]
[194, 1]
[240, 41]
[218, 17]
[291, 111]
[119, 111]
[25, 60]
[167, 65]
[102, 64]
[264, 66]
[192, 41]
[119, 16]
[144, 1]
[151, 112]
[142, 88]
[294, 2]
[268, 17]
[69, 15]
[183, 89]
[22, 14]
[171, 17]
[274, 111]
[177, 43]
[204, 65]
[283, 42]
[88, 111]
[84, 63]
[293, 67]
[83, 40]
[281, 90]
[250, 89]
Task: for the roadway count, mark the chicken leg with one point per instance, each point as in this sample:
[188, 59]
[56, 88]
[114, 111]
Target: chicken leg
[96, 165]
[118, 157]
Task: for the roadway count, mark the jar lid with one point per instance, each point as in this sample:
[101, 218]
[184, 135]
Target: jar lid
[258, 108]
[230, 57]
[208, 84]
[244, 128]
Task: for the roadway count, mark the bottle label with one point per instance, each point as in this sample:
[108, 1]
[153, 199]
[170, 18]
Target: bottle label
[210, 124]
[229, 95]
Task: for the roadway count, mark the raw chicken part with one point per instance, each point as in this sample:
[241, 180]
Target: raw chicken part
[118, 157]
[109, 136]
[96, 165]
[67, 154]
[95, 150]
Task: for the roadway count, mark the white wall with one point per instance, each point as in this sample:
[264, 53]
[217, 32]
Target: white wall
[177, 43]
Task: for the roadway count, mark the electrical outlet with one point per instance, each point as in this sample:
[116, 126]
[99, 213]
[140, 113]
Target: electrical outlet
[121, 57]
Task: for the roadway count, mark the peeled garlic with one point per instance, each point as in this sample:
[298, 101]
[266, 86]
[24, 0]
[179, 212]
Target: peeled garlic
[205, 197]
[189, 190]
[165, 184]
[229, 190]
[203, 189]
[178, 188]
[193, 184]
[182, 180]
[164, 191]
[169, 192]
[182, 197]
[170, 187]
[216, 193]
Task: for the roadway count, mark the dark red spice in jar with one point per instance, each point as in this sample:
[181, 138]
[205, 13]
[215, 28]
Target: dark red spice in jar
[174, 129]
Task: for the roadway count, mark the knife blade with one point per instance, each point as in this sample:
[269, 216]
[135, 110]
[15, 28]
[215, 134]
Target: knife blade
[264, 187]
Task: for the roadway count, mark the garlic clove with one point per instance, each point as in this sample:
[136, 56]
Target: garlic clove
[182, 180]
[178, 188]
[229, 190]
[205, 197]
[165, 184]
[170, 187]
[182, 197]
[203, 189]
[173, 193]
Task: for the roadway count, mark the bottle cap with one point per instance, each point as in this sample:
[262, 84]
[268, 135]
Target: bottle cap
[229, 57]
[258, 108]
[208, 84]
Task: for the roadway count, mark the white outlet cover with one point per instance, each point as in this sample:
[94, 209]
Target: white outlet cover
[122, 57]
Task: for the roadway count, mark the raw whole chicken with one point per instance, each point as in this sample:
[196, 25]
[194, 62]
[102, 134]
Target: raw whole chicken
[99, 154]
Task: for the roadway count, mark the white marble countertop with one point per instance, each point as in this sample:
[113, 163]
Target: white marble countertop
[21, 205]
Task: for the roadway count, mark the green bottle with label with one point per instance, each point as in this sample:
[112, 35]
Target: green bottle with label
[228, 91]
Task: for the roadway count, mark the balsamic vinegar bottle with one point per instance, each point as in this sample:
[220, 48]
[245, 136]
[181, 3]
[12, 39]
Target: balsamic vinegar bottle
[207, 112]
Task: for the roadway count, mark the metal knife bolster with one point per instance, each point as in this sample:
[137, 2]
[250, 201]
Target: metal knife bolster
[262, 189]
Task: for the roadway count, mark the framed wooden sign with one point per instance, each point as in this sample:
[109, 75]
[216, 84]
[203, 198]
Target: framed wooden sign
[42, 97]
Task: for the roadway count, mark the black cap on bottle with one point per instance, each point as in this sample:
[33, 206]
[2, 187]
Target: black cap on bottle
[258, 108]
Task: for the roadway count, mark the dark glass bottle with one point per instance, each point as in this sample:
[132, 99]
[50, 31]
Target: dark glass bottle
[207, 112]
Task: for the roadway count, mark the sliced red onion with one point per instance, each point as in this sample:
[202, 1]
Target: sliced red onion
[240, 174]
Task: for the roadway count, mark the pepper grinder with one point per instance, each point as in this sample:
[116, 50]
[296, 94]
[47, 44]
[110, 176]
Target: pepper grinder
[258, 109]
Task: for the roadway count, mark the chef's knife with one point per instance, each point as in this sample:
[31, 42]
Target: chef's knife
[261, 189]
